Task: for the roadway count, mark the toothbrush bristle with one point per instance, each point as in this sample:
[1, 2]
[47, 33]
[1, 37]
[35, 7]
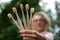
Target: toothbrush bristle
[32, 10]
[27, 6]
[21, 6]
[9, 15]
[14, 9]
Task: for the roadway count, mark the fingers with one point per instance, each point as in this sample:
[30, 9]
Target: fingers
[27, 32]
[39, 36]
[29, 35]
[27, 38]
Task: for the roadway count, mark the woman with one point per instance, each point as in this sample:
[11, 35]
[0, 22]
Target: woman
[40, 24]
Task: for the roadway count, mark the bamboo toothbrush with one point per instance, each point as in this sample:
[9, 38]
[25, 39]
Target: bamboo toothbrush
[11, 17]
[27, 8]
[19, 20]
[31, 12]
[24, 19]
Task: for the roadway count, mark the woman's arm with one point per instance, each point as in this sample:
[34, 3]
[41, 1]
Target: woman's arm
[31, 35]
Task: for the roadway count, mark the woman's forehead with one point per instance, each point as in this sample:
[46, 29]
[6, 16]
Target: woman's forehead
[37, 17]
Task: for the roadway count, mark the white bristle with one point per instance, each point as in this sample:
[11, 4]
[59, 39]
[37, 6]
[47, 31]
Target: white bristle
[9, 15]
[14, 9]
[21, 6]
[27, 6]
[32, 10]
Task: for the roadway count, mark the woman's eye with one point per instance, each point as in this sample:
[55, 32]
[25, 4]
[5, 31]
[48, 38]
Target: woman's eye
[35, 20]
[38, 20]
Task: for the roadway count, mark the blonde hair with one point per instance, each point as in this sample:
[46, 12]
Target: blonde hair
[47, 18]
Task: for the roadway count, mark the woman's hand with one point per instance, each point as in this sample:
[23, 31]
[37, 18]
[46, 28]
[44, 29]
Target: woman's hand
[31, 35]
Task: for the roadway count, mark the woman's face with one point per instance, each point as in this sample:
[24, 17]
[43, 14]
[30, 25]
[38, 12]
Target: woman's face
[38, 23]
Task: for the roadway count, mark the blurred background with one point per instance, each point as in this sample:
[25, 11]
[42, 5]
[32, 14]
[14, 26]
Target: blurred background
[8, 31]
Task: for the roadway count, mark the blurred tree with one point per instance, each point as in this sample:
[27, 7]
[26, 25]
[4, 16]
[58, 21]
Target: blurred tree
[53, 22]
[57, 35]
[8, 31]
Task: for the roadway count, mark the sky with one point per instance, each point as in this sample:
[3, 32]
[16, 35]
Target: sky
[58, 1]
[3, 1]
[50, 4]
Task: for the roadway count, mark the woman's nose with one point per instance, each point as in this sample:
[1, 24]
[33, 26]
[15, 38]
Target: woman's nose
[38, 22]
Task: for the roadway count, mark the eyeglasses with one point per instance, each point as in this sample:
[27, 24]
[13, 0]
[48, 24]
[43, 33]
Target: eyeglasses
[40, 20]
